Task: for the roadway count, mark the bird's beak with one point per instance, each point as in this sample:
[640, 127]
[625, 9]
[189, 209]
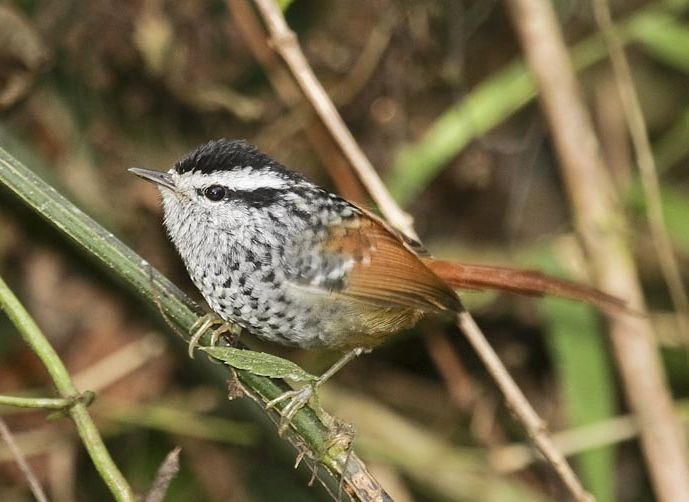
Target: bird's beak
[158, 177]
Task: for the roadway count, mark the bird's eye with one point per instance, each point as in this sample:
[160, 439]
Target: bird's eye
[215, 193]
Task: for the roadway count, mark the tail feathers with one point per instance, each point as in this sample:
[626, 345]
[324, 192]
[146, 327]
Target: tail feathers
[523, 282]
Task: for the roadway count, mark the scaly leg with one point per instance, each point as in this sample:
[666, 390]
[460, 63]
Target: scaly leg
[300, 397]
[205, 322]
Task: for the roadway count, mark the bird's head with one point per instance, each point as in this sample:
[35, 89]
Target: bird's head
[224, 185]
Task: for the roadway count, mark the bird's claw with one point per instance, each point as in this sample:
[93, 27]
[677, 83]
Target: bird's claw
[205, 322]
[297, 400]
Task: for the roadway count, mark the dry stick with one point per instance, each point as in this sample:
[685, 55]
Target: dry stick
[98, 376]
[520, 406]
[287, 90]
[465, 392]
[87, 430]
[462, 387]
[286, 44]
[516, 456]
[167, 472]
[601, 226]
[24, 466]
[647, 166]
[120, 363]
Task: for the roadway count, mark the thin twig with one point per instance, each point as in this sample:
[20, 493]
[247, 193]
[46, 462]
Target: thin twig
[520, 406]
[98, 376]
[24, 466]
[120, 363]
[308, 432]
[34, 442]
[601, 226]
[45, 403]
[288, 91]
[460, 385]
[167, 471]
[647, 167]
[285, 43]
[77, 411]
[516, 456]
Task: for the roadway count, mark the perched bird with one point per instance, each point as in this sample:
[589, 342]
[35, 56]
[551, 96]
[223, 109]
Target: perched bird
[294, 264]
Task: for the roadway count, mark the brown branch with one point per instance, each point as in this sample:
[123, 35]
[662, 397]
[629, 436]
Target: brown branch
[520, 406]
[167, 472]
[517, 456]
[287, 90]
[24, 466]
[601, 226]
[285, 43]
[460, 385]
[647, 167]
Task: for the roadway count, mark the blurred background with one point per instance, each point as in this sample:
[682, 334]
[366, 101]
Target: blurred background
[435, 93]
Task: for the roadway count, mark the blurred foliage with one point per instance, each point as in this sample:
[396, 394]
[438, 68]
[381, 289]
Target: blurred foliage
[435, 92]
[588, 392]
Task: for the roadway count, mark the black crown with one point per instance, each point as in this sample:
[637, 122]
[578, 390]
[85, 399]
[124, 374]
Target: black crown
[225, 155]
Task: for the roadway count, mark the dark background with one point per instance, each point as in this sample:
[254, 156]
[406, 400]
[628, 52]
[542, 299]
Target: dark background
[88, 89]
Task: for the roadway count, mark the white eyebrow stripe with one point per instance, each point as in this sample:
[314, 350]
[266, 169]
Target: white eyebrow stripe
[241, 180]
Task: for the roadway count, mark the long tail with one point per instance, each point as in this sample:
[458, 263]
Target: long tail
[523, 282]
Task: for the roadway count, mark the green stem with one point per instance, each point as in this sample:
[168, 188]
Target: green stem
[45, 403]
[87, 429]
[495, 100]
[307, 432]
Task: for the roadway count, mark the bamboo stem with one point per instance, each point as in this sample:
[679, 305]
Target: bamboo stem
[601, 225]
[77, 410]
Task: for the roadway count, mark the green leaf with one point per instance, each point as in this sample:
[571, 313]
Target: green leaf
[663, 38]
[579, 351]
[672, 146]
[675, 205]
[284, 4]
[496, 99]
[259, 363]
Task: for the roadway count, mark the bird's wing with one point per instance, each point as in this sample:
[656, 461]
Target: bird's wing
[370, 263]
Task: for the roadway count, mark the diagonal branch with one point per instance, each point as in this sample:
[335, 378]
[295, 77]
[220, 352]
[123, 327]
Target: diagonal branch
[24, 466]
[308, 434]
[286, 44]
[647, 166]
[516, 401]
[601, 225]
[77, 410]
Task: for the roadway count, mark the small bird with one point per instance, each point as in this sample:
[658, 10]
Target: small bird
[295, 264]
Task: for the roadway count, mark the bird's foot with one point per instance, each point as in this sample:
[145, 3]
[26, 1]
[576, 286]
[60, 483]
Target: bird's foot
[300, 397]
[297, 400]
[225, 329]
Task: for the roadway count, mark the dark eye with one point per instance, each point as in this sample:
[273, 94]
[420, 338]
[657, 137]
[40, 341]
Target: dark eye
[215, 193]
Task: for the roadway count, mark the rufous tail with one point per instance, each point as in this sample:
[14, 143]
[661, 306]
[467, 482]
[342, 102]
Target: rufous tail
[523, 282]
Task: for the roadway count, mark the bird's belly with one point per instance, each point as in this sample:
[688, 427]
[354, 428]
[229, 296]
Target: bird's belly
[364, 326]
[319, 321]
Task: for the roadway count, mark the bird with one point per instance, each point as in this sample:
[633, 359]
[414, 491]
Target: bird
[295, 264]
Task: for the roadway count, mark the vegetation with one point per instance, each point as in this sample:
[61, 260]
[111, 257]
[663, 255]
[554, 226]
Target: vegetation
[440, 98]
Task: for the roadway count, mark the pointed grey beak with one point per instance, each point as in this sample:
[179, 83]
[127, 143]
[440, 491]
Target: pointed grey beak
[158, 177]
